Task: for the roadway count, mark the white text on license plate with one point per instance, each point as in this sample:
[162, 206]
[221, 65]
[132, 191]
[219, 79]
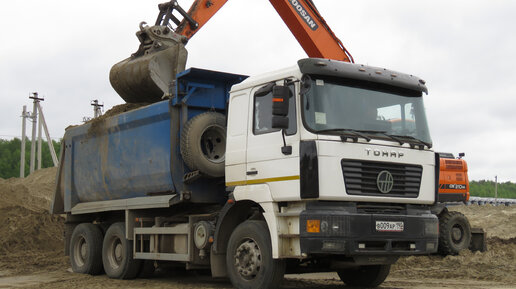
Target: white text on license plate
[387, 226]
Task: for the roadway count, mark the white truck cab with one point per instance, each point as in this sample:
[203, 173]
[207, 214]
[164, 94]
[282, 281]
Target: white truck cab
[358, 158]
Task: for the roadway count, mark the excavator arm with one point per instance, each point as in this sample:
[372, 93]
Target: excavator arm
[301, 17]
[149, 73]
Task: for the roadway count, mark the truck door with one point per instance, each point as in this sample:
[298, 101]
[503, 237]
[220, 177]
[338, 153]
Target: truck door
[267, 166]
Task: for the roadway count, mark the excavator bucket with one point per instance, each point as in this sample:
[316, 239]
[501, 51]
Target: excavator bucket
[148, 75]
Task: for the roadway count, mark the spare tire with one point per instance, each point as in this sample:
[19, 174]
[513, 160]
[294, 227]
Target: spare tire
[203, 143]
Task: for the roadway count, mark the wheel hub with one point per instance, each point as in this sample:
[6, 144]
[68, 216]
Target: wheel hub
[118, 252]
[84, 250]
[248, 259]
[81, 252]
[213, 144]
[456, 234]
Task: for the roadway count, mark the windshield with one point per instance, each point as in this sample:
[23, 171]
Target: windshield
[330, 106]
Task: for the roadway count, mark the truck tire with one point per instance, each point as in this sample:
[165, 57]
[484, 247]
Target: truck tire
[117, 254]
[365, 276]
[454, 233]
[249, 258]
[86, 249]
[203, 143]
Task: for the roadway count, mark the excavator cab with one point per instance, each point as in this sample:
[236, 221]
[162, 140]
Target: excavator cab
[148, 74]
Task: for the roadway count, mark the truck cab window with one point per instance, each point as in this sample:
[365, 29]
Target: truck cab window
[262, 115]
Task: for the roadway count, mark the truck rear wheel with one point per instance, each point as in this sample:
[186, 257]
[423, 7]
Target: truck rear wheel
[117, 254]
[454, 233]
[249, 258]
[86, 249]
[365, 276]
[203, 143]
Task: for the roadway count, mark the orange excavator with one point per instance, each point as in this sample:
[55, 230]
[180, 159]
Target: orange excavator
[453, 178]
[148, 75]
[455, 232]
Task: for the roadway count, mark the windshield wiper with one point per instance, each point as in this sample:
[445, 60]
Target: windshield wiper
[346, 133]
[417, 141]
[401, 142]
[393, 137]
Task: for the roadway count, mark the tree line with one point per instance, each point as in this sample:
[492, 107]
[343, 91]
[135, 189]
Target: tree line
[486, 189]
[10, 154]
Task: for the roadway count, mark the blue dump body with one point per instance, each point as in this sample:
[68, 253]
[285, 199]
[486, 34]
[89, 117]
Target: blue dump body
[136, 153]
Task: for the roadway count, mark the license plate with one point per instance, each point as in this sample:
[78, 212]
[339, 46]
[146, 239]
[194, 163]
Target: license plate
[387, 226]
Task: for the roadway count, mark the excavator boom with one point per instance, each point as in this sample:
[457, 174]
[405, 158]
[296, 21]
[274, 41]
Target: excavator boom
[311, 30]
[301, 17]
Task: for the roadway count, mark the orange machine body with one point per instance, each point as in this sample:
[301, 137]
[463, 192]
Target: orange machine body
[301, 17]
[453, 179]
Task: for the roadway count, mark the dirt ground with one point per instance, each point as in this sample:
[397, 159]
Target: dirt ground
[31, 251]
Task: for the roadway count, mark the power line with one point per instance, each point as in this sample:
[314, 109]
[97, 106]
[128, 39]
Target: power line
[18, 136]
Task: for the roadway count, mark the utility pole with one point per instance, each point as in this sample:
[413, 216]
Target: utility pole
[49, 140]
[38, 119]
[97, 108]
[39, 140]
[24, 116]
[496, 189]
[34, 117]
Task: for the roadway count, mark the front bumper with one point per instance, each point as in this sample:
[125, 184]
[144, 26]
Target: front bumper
[345, 231]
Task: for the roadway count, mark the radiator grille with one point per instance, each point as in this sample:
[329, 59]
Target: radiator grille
[360, 178]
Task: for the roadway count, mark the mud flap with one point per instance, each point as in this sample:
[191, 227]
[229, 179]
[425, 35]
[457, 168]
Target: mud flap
[149, 73]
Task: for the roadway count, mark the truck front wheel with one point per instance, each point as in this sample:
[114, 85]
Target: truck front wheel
[249, 258]
[86, 249]
[365, 276]
[117, 254]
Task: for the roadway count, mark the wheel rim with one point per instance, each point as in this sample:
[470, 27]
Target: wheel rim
[213, 143]
[80, 251]
[115, 253]
[248, 259]
[457, 234]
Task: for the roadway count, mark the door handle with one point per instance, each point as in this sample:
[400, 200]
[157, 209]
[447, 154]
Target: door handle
[252, 173]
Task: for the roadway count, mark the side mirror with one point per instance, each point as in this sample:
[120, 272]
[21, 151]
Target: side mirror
[280, 101]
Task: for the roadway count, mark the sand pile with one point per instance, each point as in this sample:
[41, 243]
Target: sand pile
[97, 124]
[498, 221]
[31, 239]
[27, 224]
[497, 264]
[34, 192]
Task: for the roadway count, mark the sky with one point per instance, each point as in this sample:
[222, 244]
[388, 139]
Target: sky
[463, 49]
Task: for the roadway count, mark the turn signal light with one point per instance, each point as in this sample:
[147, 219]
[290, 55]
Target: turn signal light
[313, 226]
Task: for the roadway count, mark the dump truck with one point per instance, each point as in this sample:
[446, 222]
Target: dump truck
[297, 170]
